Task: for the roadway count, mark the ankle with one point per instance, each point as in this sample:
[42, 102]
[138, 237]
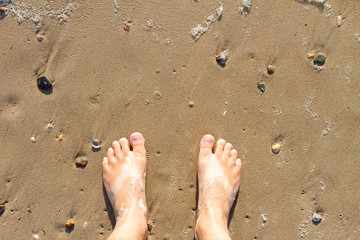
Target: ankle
[212, 225]
[132, 225]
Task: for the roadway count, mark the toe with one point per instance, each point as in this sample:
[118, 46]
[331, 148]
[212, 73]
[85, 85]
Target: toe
[124, 143]
[110, 156]
[220, 147]
[238, 165]
[233, 156]
[117, 149]
[227, 149]
[137, 142]
[206, 145]
[105, 164]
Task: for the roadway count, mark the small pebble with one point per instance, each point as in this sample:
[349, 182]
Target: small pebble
[32, 139]
[96, 144]
[2, 9]
[36, 237]
[316, 219]
[319, 59]
[81, 161]
[157, 94]
[270, 69]
[40, 38]
[275, 148]
[60, 138]
[44, 83]
[311, 55]
[70, 223]
[191, 104]
[147, 102]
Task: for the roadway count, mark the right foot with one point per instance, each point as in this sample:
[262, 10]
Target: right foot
[124, 173]
[219, 181]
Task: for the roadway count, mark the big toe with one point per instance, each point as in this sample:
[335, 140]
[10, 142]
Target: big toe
[137, 142]
[206, 145]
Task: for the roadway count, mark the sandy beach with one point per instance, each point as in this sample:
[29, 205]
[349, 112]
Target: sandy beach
[122, 66]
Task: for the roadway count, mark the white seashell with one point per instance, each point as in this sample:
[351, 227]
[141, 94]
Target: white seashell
[96, 144]
[36, 237]
[33, 139]
[219, 11]
[339, 20]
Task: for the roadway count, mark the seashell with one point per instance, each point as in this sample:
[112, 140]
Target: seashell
[40, 38]
[191, 104]
[36, 237]
[311, 55]
[219, 11]
[339, 20]
[70, 223]
[81, 161]
[319, 59]
[127, 27]
[275, 148]
[316, 219]
[270, 69]
[33, 139]
[60, 138]
[261, 87]
[96, 144]
[44, 83]
[223, 57]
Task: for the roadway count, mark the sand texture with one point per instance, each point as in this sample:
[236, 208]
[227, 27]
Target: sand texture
[108, 83]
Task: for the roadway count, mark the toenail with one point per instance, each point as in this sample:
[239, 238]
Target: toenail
[208, 139]
[135, 137]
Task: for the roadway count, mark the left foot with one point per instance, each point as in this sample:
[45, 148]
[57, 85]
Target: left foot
[124, 173]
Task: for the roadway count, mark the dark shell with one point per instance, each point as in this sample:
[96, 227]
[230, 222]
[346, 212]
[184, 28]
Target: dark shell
[81, 161]
[316, 219]
[261, 87]
[44, 83]
[319, 59]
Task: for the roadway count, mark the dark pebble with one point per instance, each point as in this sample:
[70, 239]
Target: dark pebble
[316, 219]
[261, 87]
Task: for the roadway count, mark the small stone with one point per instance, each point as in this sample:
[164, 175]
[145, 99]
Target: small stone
[81, 161]
[33, 139]
[40, 38]
[261, 87]
[339, 21]
[191, 104]
[2, 9]
[319, 59]
[36, 237]
[44, 83]
[70, 223]
[311, 55]
[270, 69]
[316, 219]
[223, 57]
[60, 138]
[127, 27]
[275, 148]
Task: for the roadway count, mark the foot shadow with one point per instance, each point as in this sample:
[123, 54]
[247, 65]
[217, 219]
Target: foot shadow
[109, 209]
[232, 210]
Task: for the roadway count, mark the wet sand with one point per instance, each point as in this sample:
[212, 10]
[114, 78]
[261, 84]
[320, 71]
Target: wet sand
[108, 83]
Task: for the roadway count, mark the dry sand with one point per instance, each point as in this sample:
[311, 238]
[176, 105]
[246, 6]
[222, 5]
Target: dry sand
[97, 68]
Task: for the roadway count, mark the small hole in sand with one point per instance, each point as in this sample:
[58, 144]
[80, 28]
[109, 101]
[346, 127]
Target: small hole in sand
[193, 209]
[158, 152]
[190, 227]
[180, 189]
[247, 216]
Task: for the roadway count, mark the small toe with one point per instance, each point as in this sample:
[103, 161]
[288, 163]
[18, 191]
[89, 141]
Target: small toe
[117, 148]
[124, 143]
[227, 149]
[220, 147]
[105, 164]
[137, 142]
[110, 156]
[206, 145]
[233, 156]
[238, 165]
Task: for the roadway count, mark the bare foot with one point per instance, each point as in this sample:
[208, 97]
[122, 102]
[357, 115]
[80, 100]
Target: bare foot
[219, 181]
[124, 173]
